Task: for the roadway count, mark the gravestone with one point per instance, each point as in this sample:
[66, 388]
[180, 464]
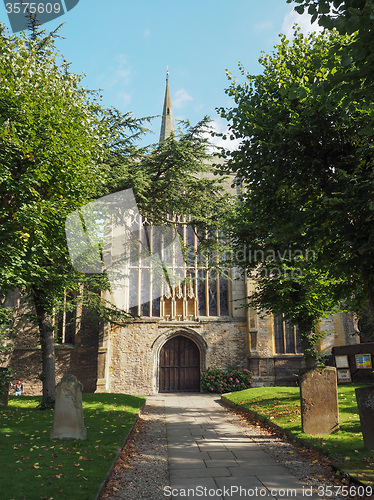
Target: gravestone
[319, 400]
[365, 403]
[68, 416]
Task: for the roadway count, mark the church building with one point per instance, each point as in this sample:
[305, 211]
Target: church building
[201, 322]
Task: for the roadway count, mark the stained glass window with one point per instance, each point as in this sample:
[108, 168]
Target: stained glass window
[196, 292]
[213, 303]
[278, 334]
[286, 337]
[224, 295]
[289, 333]
[202, 293]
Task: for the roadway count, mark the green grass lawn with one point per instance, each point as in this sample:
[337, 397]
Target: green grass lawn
[34, 467]
[345, 447]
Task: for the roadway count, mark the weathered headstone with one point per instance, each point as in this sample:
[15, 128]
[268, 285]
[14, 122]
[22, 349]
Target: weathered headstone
[319, 400]
[365, 403]
[68, 416]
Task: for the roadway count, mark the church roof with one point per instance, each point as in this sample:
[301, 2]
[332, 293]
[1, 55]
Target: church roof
[167, 124]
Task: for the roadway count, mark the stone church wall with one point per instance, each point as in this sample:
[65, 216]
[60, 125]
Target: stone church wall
[134, 350]
[125, 359]
[270, 368]
[78, 361]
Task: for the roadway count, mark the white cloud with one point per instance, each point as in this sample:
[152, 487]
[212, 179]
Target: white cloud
[182, 97]
[303, 21]
[220, 126]
[118, 74]
[147, 33]
[124, 98]
[264, 26]
[122, 71]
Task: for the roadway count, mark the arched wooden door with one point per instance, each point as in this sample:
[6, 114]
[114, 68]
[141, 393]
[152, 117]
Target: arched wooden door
[179, 366]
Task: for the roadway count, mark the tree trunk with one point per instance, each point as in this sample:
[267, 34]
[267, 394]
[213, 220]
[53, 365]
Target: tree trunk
[310, 354]
[308, 342]
[369, 289]
[48, 349]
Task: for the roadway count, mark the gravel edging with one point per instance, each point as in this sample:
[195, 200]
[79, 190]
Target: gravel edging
[119, 452]
[142, 469]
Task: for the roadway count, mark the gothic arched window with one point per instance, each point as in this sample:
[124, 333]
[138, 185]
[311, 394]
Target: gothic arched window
[201, 292]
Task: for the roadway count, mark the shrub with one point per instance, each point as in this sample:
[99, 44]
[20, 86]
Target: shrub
[229, 380]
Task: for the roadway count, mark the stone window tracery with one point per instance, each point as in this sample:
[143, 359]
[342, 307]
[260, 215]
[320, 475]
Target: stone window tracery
[202, 292]
[286, 337]
[64, 319]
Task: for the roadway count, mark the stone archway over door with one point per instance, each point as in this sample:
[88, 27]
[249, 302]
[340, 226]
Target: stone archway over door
[179, 366]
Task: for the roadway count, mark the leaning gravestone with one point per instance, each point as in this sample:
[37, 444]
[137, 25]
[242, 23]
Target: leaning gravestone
[365, 403]
[68, 416]
[319, 400]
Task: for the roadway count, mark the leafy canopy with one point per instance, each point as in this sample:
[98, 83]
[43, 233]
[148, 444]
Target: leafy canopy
[352, 17]
[305, 167]
[51, 144]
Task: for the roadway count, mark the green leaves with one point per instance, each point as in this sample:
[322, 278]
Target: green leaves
[215, 380]
[306, 169]
[51, 143]
[351, 17]
[178, 177]
[300, 9]
[346, 60]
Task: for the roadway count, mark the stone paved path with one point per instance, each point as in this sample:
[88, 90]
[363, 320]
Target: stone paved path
[213, 459]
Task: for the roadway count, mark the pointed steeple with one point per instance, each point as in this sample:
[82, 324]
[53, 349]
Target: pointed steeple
[167, 124]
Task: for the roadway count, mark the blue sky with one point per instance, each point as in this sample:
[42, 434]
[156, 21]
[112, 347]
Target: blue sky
[124, 48]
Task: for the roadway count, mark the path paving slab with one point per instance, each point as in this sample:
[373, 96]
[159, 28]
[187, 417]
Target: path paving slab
[180, 454]
[222, 463]
[186, 462]
[197, 473]
[189, 487]
[251, 459]
[207, 451]
[234, 487]
[218, 455]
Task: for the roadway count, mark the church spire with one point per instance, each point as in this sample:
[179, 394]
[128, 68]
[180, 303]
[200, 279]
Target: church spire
[167, 124]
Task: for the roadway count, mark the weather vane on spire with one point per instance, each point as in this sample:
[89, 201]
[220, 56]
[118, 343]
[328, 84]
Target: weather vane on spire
[167, 72]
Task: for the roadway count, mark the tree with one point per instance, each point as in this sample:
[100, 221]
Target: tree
[175, 177]
[306, 169]
[296, 289]
[52, 142]
[6, 330]
[60, 150]
[355, 75]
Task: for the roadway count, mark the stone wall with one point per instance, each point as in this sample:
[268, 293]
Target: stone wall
[270, 368]
[339, 330]
[133, 351]
[27, 364]
[276, 370]
[125, 359]
[78, 361]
